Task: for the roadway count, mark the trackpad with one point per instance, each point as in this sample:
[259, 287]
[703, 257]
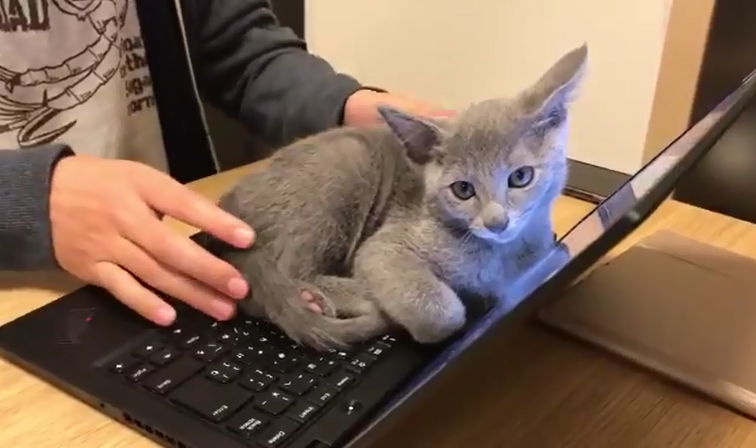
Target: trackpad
[682, 308]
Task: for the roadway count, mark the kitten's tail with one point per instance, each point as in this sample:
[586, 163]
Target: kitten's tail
[278, 298]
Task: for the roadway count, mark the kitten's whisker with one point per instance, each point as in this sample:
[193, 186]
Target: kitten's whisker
[467, 240]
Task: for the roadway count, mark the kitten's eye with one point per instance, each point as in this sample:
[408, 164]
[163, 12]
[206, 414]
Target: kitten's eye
[521, 177]
[463, 190]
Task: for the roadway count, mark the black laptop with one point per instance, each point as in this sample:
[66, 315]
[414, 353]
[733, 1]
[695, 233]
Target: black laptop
[202, 384]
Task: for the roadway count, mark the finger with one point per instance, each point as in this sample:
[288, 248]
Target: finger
[183, 255]
[174, 284]
[177, 201]
[135, 296]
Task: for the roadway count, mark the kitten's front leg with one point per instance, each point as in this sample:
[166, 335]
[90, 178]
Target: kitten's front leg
[408, 292]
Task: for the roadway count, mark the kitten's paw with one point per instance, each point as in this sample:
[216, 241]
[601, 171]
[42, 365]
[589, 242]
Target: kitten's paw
[437, 319]
[436, 331]
[312, 302]
[316, 301]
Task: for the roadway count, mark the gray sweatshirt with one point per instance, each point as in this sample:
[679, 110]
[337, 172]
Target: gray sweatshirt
[25, 240]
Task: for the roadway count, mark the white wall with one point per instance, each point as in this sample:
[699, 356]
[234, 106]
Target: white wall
[455, 52]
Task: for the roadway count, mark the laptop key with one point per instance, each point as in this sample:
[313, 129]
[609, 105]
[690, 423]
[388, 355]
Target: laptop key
[361, 362]
[278, 432]
[209, 352]
[174, 333]
[232, 334]
[342, 354]
[124, 364]
[321, 395]
[259, 351]
[183, 336]
[241, 331]
[388, 340]
[273, 402]
[378, 349]
[339, 380]
[224, 372]
[248, 422]
[149, 349]
[257, 380]
[140, 373]
[226, 337]
[165, 380]
[298, 384]
[188, 341]
[323, 366]
[164, 356]
[282, 362]
[302, 411]
[243, 357]
[209, 399]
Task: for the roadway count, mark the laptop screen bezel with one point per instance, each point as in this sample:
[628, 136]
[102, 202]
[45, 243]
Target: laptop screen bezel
[504, 329]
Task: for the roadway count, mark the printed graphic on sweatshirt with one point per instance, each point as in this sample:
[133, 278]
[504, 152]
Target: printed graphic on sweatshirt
[39, 100]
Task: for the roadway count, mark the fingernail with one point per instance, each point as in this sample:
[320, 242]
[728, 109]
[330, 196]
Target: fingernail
[243, 237]
[237, 288]
[165, 315]
[223, 310]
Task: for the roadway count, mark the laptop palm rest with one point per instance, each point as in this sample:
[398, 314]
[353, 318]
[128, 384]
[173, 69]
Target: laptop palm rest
[676, 306]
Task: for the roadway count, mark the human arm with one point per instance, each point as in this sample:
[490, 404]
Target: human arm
[259, 72]
[25, 207]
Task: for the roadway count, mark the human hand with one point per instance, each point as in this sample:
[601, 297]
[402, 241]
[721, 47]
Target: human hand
[361, 108]
[106, 231]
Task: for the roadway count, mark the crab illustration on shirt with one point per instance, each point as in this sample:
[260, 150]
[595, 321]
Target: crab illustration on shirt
[31, 98]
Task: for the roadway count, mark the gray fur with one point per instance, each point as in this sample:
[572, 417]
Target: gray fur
[367, 220]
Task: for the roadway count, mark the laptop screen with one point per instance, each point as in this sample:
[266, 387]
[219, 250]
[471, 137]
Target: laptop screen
[590, 229]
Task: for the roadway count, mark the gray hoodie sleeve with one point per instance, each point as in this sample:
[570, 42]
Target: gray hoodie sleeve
[25, 239]
[261, 73]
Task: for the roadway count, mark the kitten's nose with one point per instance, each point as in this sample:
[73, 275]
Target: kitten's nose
[497, 225]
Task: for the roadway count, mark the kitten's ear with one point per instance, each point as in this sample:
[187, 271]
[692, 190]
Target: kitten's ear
[550, 96]
[418, 136]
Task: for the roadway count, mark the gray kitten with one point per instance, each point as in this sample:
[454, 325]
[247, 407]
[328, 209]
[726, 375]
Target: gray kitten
[390, 225]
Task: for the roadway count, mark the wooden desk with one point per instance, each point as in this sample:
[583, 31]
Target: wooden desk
[545, 391]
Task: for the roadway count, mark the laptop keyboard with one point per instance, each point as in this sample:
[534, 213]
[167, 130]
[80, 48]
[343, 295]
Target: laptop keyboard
[245, 376]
